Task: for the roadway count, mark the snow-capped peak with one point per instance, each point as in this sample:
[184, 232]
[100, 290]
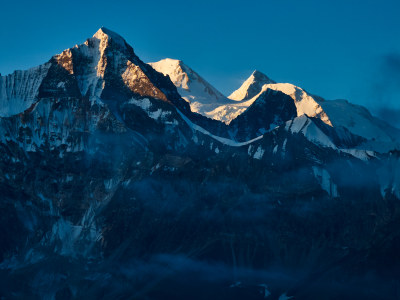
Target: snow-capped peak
[190, 84]
[251, 87]
[201, 95]
[107, 50]
[174, 68]
[103, 34]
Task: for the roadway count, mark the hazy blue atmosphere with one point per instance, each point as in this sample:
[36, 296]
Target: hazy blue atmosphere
[332, 49]
[119, 183]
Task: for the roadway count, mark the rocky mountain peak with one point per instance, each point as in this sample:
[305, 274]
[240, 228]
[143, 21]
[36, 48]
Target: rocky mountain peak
[106, 35]
[107, 62]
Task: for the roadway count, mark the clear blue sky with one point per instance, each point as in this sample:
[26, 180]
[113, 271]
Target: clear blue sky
[337, 49]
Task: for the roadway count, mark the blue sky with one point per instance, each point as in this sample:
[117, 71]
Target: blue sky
[337, 49]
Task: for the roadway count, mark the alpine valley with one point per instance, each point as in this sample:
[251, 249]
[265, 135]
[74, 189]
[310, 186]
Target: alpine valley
[126, 180]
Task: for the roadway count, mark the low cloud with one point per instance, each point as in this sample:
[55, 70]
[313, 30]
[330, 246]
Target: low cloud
[390, 115]
[386, 89]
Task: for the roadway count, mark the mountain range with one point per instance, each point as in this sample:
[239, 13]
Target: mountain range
[206, 100]
[125, 179]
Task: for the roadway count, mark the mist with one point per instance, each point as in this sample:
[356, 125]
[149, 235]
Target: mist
[385, 89]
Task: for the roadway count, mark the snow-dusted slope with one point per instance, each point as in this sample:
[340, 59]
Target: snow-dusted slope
[310, 130]
[19, 90]
[358, 120]
[222, 140]
[201, 95]
[227, 112]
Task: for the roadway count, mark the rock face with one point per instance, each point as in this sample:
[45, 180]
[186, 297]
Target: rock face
[270, 110]
[113, 188]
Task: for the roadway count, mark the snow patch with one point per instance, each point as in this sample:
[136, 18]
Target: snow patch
[275, 149]
[325, 181]
[146, 105]
[259, 153]
[310, 130]
[364, 155]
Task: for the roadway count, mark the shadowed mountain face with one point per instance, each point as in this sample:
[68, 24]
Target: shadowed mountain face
[113, 188]
[270, 110]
